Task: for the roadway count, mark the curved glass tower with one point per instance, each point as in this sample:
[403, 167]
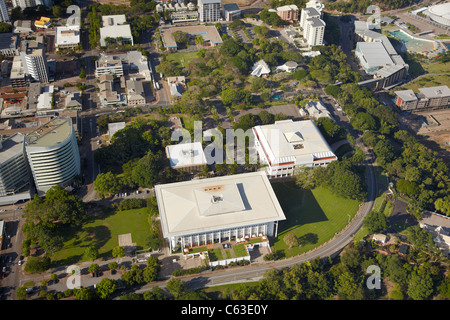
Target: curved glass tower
[53, 155]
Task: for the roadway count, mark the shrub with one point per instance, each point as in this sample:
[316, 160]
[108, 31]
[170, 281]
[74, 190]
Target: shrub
[128, 204]
[37, 264]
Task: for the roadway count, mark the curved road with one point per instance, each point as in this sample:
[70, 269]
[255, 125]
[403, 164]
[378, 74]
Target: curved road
[255, 271]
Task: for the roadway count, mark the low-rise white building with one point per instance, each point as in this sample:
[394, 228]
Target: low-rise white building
[108, 64]
[316, 110]
[45, 99]
[114, 28]
[260, 68]
[176, 85]
[289, 66]
[188, 157]
[199, 212]
[288, 144]
[113, 127]
[67, 37]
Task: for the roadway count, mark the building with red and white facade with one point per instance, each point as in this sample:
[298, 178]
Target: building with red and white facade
[430, 98]
[288, 12]
[288, 144]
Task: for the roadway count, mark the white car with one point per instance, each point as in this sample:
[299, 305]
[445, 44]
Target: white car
[20, 262]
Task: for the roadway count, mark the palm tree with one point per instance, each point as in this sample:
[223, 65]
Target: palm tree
[199, 40]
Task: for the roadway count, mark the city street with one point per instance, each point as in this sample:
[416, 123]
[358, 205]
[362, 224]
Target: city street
[11, 250]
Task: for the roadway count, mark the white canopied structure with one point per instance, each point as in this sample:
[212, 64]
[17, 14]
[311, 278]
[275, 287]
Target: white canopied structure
[439, 13]
[260, 68]
[113, 127]
[288, 144]
[198, 212]
[53, 155]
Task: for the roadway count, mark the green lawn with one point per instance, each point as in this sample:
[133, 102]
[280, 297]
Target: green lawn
[314, 216]
[182, 58]
[427, 81]
[215, 254]
[103, 234]
[239, 250]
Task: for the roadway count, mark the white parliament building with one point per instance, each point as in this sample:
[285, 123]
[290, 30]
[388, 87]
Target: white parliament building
[235, 207]
[288, 144]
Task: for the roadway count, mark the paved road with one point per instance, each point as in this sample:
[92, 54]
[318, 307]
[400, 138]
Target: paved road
[14, 223]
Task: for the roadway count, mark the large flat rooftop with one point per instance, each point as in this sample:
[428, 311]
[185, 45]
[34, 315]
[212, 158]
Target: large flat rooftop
[11, 147]
[185, 155]
[51, 133]
[209, 33]
[374, 54]
[293, 141]
[67, 35]
[205, 205]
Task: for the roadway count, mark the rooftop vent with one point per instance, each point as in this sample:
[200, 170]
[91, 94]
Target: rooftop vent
[217, 199]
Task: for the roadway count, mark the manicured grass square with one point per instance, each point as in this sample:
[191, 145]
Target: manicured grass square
[313, 216]
[102, 233]
[239, 250]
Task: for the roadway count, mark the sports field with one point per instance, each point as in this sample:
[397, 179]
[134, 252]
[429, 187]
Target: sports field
[313, 216]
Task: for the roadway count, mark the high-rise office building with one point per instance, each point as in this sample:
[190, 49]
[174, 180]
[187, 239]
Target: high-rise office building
[23, 4]
[209, 10]
[53, 154]
[14, 170]
[313, 26]
[35, 61]
[4, 15]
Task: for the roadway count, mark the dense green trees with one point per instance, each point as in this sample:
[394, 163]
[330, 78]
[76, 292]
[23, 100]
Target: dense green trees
[331, 131]
[331, 66]
[304, 177]
[375, 222]
[346, 278]
[342, 178]
[271, 18]
[37, 264]
[5, 27]
[137, 157]
[107, 184]
[106, 287]
[138, 275]
[45, 218]
[95, 23]
[354, 6]
[420, 174]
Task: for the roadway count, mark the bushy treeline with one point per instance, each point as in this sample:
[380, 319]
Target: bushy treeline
[135, 158]
[347, 279]
[361, 6]
[417, 170]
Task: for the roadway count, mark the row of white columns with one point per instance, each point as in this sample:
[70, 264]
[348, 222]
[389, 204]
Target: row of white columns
[202, 239]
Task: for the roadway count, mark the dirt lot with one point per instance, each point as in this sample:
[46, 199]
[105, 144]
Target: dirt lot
[434, 130]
